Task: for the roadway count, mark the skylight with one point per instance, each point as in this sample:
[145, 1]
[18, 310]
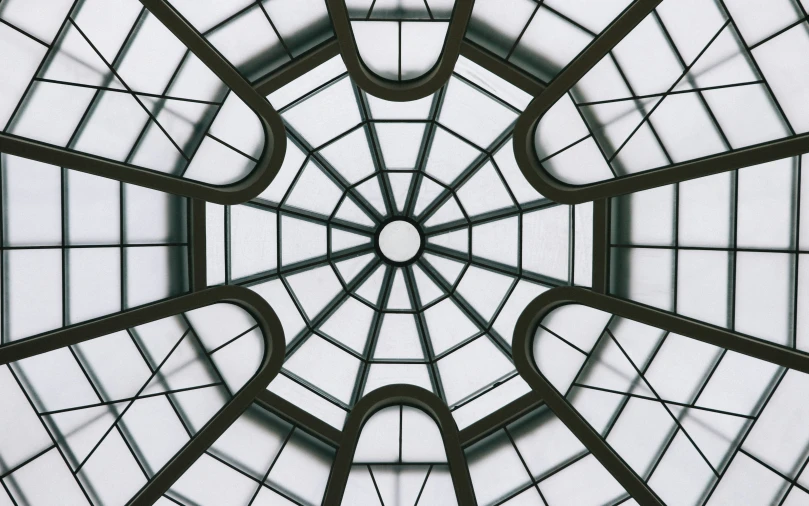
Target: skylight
[422, 252]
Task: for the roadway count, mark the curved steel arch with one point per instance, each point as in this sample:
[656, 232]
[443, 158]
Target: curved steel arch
[408, 395]
[241, 191]
[271, 330]
[545, 303]
[400, 91]
[526, 125]
[524, 149]
[565, 193]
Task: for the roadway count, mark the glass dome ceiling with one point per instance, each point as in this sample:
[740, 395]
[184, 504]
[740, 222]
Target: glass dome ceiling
[403, 252]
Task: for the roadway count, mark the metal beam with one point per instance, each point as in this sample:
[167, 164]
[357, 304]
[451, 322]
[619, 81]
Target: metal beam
[523, 359]
[315, 426]
[677, 324]
[500, 418]
[248, 300]
[400, 91]
[254, 183]
[544, 304]
[724, 162]
[331, 48]
[501, 68]
[392, 395]
[524, 149]
[273, 334]
[274, 133]
[297, 67]
[601, 245]
[551, 187]
[49, 341]
[120, 171]
[197, 250]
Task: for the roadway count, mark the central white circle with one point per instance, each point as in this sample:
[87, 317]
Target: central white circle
[399, 241]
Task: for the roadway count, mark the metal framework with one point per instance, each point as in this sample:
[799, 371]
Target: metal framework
[543, 305]
[271, 331]
[269, 164]
[266, 167]
[560, 191]
[409, 90]
[409, 395]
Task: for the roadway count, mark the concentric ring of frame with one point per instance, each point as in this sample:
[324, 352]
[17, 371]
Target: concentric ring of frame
[598, 193]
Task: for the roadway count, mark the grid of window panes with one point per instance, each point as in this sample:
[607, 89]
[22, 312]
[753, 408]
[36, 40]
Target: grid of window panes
[492, 243]
[109, 79]
[400, 40]
[539, 36]
[400, 459]
[699, 424]
[68, 258]
[723, 249]
[99, 419]
[670, 91]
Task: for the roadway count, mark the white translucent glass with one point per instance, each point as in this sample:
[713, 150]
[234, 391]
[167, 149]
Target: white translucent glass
[153, 385]
[326, 366]
[421, 47]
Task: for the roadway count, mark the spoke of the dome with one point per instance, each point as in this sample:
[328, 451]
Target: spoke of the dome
[258, 308]
[304, 265]
[423, 331]
[343, 406]
[490, 216]
[304, 215]
[484, 263]
[197, 251]
[373, 336]
[483, 391]
[286, 409]
[376, 151]
[409, 395]
[400, 91]
[421, 162]
[722, 338]
[485, 154]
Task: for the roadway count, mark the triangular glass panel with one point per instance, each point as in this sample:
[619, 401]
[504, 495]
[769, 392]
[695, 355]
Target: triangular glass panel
[400, 187]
